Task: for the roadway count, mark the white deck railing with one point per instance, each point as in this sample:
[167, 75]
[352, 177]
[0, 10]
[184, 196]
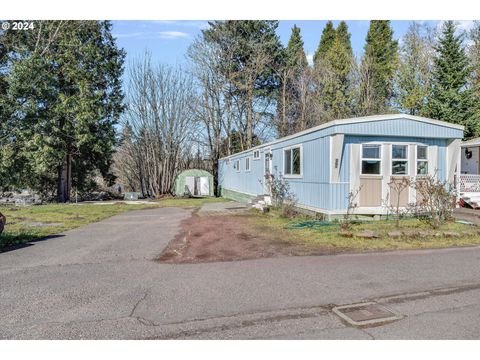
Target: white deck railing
[469, 183]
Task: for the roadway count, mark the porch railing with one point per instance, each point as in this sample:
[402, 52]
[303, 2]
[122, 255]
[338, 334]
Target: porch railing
[469, 183]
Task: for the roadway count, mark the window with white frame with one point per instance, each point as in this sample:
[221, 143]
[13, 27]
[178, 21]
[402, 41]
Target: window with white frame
[422, 160]
[292, 161]
[371, 159]
[256, 155]
[247, 164]
[399, 159]
[237, 165]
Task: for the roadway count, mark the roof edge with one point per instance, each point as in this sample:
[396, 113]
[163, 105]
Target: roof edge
[353, 121]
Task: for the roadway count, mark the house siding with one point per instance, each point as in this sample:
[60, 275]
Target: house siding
[314, 189]
[243, 181]
[399, 127]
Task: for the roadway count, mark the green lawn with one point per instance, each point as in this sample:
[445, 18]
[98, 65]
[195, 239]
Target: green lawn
[30, 223]
[417, 235]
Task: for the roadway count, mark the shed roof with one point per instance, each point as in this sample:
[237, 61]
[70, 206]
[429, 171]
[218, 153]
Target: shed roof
[194, 172]
[356, 120]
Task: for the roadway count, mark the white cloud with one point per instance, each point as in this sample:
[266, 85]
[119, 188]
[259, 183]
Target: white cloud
[465, 25]
[462, 25]
[184, 23]
[172, 34]
[129, 35]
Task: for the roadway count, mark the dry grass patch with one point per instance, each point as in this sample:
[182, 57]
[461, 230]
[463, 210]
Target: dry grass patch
[254, 235]
[415, 234]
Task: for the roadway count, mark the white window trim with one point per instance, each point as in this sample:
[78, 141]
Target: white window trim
[249, 164]
[293, 176]
[380, 159]
[417, 160]
[269, 152]
[256, 158]
[392, 159]
[237, 165]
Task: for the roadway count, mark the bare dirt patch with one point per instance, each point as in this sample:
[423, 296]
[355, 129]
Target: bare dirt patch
[229, 238]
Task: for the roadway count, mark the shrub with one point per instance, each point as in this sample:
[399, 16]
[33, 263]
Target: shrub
[280, 189]
[282, 197]
[435, 200]
[398, 186]
[352, 205]
[288, 210]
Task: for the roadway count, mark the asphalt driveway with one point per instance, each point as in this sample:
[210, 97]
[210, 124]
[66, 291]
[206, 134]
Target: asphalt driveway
[100, 282]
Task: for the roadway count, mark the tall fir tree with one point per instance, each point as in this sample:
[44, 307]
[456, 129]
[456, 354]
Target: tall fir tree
[288, 103]
[62, 101]
[413, 78]
[295, 53]
[333, 74]
[474, 55]
[326, 41]
[474, 52]
[379, 62]
[343, 36]
[452, 98]
[252, 55]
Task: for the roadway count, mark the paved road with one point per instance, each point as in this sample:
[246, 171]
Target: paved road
[100, 281]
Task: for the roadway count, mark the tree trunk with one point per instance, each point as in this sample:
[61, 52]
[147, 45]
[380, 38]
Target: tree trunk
[3, 221]
[215, 174]
[64, 182]
[283, 131]
[249, 121]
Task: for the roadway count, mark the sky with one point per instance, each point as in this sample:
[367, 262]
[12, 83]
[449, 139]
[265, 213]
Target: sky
[168, 41]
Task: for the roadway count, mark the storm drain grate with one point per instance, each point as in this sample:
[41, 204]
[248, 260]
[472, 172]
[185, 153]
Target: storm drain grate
[364, 314]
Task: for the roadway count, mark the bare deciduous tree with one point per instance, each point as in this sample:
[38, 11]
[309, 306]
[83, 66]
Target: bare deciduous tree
[161, 122]
[365, 95]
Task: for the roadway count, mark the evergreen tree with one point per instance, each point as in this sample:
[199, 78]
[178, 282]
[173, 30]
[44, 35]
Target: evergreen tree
[379, 63]
[343, 36]
[333, 72]
[252, 56]
[413, 79]
[326, 41]
[62, 101]
[295, 54]
[474, 54]
[452, 99]
[288, 104]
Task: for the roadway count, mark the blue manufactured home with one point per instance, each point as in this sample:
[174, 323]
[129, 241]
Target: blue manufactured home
[323, 164]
